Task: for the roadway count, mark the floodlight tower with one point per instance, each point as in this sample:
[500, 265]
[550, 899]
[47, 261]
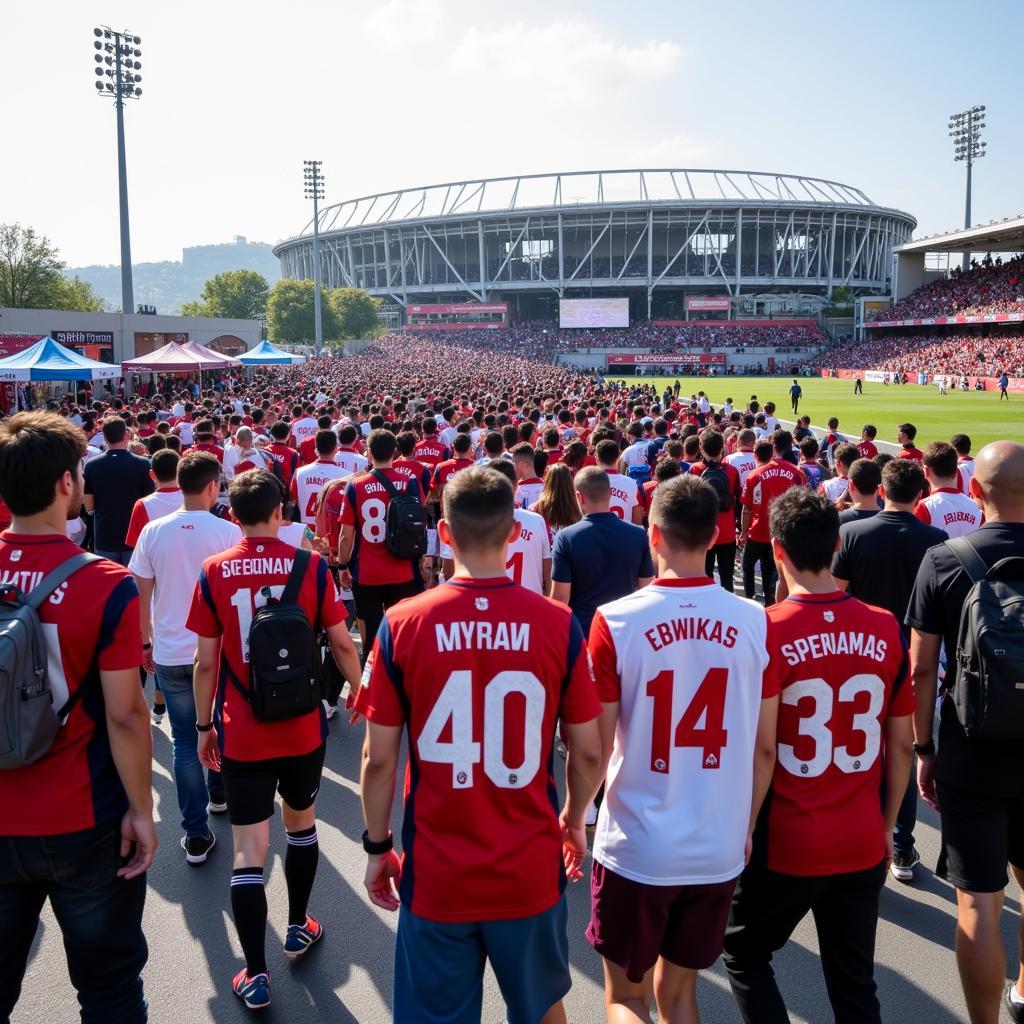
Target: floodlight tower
[965, 131]
[315, 191]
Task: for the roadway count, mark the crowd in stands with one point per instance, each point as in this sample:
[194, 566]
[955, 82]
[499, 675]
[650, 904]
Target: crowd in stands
[992, 286]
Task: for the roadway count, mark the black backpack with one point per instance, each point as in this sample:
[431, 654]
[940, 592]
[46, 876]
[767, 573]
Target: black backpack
[284, 658]
[716, 475]
[406, 523]
[989, 690]
[28, 719]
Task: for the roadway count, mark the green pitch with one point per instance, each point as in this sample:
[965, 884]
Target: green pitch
[977, 413]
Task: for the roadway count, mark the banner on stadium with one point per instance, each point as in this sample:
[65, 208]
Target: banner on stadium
[1016, 384]
[460, 307]
[707, 305]
[667, 359]
[939, 321]
[729, 325]
[11, 344]
[77, 339]
[876, 376]
[443, 325]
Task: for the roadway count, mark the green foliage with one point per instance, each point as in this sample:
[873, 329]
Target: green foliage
[238, 294]
[356, 312]
[290, 313]
[30, 268]
[72, 293]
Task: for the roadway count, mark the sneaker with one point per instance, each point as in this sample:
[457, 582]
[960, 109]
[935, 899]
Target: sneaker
[329, 710]
[159, 710]
[254, 992]
[1013, 1008]
[301, 936]
[197, 848]
[217, 805]
[903, 863]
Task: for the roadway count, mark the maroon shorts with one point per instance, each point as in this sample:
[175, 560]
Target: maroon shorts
[632, 923]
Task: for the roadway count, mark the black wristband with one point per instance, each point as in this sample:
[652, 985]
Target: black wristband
[147, 647]
[343, 565]
[378, 849]
[925, 749]
[204, 728]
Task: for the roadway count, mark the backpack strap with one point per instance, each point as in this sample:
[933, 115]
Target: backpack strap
[53, 579]
[384, 482]
[970, 561]
[296, 576]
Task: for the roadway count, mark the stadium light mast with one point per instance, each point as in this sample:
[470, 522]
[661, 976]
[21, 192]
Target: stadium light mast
[117, 75]
[965, 131]
[315, 191]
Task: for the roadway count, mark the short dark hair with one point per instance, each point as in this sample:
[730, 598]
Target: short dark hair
[462, 443]
[806, 525]
[870, 431]
[907, 428]
[36, 450]
[493, 444]
[523, 451]
[712, 443]
[607, 452]
[903, 480]
[846, 454]
[962, 443]
[196, 471]
[114, 430]
[165, 466]
[478, 508]
[381, 445]
[865, 475]
[326, 442]
[941, 459]
[666, 469]
[254, 495]
[505, 468]
[763, 451]
[279, 430]
[685, 510]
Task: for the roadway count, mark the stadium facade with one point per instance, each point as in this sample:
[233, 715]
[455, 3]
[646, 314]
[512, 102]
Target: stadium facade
[769, 243]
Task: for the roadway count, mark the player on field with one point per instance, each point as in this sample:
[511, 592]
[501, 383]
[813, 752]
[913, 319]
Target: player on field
[946, 506]
[477, 672]
[689, 729]
[257, 758]
[824, 839]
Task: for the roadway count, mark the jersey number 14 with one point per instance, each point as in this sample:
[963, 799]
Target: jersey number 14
[708, 704]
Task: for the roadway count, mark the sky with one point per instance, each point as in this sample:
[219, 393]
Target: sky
[399, 93]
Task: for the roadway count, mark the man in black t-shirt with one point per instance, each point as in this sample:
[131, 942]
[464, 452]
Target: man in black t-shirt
[977, 786]
[877, 563]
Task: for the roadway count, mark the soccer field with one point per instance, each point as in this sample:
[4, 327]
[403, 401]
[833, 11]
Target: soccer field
[978, 414]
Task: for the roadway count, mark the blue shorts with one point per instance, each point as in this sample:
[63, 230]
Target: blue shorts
[439, 967]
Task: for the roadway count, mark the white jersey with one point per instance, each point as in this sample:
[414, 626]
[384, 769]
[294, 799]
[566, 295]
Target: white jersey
[834, 488]
[685, 660]
[636, 453]
[744, 463]
[308, 482]
[292, 533]
[303, 429]
[965, 473]
[526, 554]
[950, 510]
[351, 462]
[624, 496]
[528, 491]
[251, 459]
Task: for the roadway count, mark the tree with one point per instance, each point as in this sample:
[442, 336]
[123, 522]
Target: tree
[238, 294]
[30, 268]
[290, 313]
[72, 293]
[356, 312]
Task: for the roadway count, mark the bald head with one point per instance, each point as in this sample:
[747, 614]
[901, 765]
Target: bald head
[999, 472]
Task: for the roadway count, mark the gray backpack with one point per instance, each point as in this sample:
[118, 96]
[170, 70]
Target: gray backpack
[989, 691]
[28, 719]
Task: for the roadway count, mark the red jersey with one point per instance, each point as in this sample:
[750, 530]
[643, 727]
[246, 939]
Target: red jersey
[554, 456]
[908, 451]
[866, 450]
[443, 470]
[209, 446]
[478, 672]
[430, 451]
[365, 508]
[842, 667]
[763, 486]
[286, 459]
[307, 451]
[93, 616]
[726, 517]
[225, 599]
[414, 470]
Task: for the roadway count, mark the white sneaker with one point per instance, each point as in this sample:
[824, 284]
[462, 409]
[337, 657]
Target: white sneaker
[216, 807]
[329, 710]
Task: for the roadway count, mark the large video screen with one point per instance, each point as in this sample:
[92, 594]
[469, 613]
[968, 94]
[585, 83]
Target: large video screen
[593, 313]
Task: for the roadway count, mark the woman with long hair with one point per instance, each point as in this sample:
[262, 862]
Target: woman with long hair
[557, 502]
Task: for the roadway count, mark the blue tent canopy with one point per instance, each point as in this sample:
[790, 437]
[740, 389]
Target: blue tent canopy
[265, 354]
[48, 361]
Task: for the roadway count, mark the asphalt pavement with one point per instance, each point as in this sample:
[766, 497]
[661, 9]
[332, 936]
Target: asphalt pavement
[347, 978]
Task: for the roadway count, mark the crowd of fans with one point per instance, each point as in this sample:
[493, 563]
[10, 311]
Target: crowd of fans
[992, 286]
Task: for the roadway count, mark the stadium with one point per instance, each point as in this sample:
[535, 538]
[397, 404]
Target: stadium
[665, 244]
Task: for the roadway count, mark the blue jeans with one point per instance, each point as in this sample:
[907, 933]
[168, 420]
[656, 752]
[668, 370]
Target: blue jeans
[121, 557]
[193, 790]
[100, 918]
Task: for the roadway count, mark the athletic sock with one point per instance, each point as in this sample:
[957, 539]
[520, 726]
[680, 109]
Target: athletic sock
[300, 863]
[249, 907]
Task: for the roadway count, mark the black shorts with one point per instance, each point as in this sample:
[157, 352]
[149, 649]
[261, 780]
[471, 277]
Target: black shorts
[980, 835]
[249, 786]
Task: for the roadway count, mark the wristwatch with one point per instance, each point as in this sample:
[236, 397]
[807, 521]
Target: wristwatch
[378, 849]
[925, 749]
[204, 728]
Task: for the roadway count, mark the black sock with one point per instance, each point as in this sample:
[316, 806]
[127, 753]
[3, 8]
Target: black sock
[249, 907]
[299, 871]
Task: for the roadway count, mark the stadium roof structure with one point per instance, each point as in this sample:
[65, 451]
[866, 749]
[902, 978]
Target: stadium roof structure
[1006, 235]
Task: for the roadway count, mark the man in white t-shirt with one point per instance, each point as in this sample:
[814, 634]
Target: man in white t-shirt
[302, 428]
[625, 499]
[528, 484]
[166, 563]
[742, 460]
[308, 481]
[688, 735]
[946, 506]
